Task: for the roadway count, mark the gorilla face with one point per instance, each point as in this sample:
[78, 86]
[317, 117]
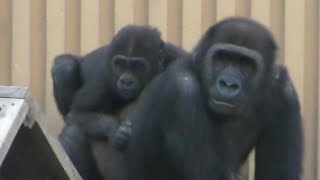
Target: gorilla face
[231, 76]
[130, 73]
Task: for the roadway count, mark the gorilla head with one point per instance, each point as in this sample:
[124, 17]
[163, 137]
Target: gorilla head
[117, 71]
[136, 59]
[235, 65]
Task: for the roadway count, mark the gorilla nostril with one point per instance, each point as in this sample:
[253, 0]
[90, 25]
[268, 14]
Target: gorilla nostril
[126, 82]
[228, 86]
[222, 83]
[129, 83]
[234, 87]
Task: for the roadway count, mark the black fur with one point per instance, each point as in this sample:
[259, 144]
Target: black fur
[179, 134]
[92, 89]
[67, 79]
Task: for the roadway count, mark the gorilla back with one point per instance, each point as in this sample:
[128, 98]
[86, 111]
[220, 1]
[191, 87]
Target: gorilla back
[200, 119]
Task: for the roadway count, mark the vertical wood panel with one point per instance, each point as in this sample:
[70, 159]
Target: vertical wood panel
[277, 25]
[72, 26]
[55, 45]
[123, 13]
[158, 16]
[38, 50]
[248, 168]
[260, 11]
[251, 165]
[141, 11]
[191, 23]
[89, 25]
[243, 8]
[5, 41]
[294, 59]
[106, 21]
[294, 42]
[318, 106]
[21, 43]
[174, 33]
[208, 14]
[225, 8]
[310, 79]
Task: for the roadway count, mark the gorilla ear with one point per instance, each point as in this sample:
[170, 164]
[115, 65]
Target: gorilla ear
[164, 58]
[281, 80]
[277, 70]
[168, 54]
[280, 73]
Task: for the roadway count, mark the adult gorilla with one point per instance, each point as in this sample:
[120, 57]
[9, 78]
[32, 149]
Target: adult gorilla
[91, 90]
[200, 119]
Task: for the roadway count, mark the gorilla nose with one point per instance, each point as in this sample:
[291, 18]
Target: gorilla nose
[126, 82]
[228, 86]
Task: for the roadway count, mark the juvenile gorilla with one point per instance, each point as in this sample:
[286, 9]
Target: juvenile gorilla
[200, 119]
[94, 88]
[137, 54]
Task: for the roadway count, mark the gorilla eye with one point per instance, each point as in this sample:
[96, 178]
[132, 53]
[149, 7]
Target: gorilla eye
[246, 65]
[222, 57]
[221, 60]
[121, 62]
[138, 65]
[244, 62]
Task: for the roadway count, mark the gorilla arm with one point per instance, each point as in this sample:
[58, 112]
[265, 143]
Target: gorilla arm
[77, 146]
[66, 79]
[95, 125]
[279, 149]
[115, 128]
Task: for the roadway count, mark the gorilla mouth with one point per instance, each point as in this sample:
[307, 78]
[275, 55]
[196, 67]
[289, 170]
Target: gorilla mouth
[127, 94]
[223, 103]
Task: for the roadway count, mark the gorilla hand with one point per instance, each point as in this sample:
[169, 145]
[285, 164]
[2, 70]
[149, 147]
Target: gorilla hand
[120, 138]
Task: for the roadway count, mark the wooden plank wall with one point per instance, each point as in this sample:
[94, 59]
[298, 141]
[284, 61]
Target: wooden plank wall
[33, 32]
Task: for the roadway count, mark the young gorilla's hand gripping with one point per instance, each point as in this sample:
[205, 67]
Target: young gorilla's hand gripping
[200, 119]
[90, 91]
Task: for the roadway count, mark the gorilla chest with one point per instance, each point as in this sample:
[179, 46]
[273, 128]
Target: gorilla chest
[239, 136]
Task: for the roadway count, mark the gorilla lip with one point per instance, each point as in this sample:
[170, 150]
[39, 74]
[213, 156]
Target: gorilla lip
[222, 103]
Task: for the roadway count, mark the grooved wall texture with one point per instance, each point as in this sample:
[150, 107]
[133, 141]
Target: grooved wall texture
[32, 32]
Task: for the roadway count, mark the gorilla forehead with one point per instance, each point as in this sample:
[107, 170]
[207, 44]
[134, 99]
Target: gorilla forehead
[244, 32]
[239, 31]
[135, 40]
